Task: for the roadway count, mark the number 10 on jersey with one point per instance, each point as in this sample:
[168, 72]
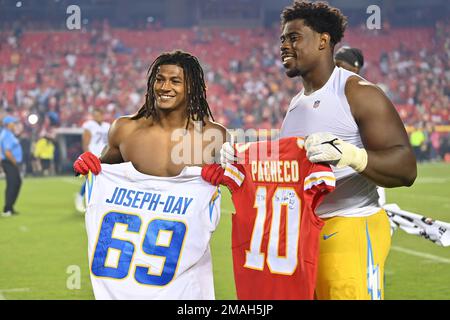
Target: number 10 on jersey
[283, 197]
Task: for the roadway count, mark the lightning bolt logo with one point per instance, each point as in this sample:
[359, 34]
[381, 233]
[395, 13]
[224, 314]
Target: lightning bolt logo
[89, 185]
[373, 272]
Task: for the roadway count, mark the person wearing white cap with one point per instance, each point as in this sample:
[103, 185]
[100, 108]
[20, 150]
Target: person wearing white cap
[11, 156]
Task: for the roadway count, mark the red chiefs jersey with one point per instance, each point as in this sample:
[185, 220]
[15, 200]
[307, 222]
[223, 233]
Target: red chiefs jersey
[275, 232]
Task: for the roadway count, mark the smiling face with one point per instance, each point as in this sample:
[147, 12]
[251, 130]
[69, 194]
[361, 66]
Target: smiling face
[299, 48]
[169, 87]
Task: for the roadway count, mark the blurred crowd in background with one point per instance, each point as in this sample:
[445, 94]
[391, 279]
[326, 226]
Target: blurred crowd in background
[58, 77]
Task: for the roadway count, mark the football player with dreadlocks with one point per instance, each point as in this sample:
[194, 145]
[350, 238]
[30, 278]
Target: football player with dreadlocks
[148, 179]
[175, 99]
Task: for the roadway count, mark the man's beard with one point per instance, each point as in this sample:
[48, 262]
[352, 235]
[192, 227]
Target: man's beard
[292, 73]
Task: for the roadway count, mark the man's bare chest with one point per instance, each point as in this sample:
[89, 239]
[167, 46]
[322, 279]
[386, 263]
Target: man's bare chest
[163, 154]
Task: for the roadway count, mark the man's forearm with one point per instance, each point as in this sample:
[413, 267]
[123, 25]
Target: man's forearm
[394, 167]
[10, 157]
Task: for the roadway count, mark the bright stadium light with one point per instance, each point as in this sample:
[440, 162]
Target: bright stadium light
[33, 119]
[18, 4]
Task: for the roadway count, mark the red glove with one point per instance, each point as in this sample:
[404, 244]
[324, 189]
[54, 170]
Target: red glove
[213, 173]
[87, 162]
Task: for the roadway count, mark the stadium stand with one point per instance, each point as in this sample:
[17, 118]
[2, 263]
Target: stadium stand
[59, 75]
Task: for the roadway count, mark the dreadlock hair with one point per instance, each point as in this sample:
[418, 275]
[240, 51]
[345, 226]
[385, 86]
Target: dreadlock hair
[319, 16]
[197, 106]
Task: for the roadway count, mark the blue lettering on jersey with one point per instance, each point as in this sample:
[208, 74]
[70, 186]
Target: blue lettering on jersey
[144, 275]
[129, 197]
[145, 199]
[152, 201]
[136, 199]
[177, 207]
[169, 204]
[113, 196]
[187, 202]
[120, 196]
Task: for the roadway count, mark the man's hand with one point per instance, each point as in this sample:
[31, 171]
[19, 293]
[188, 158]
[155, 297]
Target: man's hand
[327, 148]
[87, 162]
[10, 157]
[227, 154]
[213, 174]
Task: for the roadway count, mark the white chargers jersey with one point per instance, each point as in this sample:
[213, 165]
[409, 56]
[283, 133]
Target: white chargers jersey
[148, 237]
[327, 110]
[99, 135]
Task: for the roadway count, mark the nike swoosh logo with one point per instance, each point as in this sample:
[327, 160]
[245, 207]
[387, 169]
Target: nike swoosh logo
[292, 109]
[325, 237]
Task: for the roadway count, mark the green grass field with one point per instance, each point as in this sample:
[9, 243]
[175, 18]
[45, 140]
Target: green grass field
[39, 246]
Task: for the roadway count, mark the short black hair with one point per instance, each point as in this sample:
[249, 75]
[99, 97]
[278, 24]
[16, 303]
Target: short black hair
[194, 81]
[319, 16]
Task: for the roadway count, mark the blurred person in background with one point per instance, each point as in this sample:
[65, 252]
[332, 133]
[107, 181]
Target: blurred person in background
[351, 59]
[44, 152]
[445, 147]
[434, 143]
[11, 156]
[94, 139]
[417, 139]
[25, 142]
[1, 129]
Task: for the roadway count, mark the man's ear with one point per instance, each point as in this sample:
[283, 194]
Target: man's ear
[325, 39]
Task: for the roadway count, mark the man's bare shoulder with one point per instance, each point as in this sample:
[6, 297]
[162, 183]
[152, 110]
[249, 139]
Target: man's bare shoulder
[359, 88]
[124, 126]
[215, 126]
[365, 97]
[123, 121]
[127, 122]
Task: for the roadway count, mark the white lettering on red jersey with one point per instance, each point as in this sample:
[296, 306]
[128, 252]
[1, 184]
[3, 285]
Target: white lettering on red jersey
[275, 231]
